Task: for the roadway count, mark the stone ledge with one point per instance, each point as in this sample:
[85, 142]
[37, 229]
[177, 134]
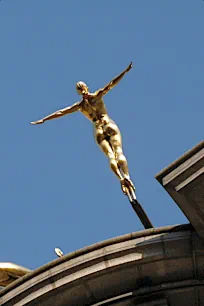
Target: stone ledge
[131, 263]
[184, 181]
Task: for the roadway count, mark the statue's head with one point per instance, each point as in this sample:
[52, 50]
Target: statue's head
[82, 88]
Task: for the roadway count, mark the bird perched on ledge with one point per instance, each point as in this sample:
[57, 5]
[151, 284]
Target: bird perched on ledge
[58, 252]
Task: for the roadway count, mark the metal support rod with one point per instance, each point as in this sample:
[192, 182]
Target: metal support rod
[139, 210]
[141, 214]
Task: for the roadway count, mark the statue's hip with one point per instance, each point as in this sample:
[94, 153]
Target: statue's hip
[107, 126]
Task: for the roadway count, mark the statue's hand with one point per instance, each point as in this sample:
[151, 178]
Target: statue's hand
[129, 67]
[37, 122]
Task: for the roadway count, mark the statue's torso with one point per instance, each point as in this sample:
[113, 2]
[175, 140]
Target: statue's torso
[93, 108]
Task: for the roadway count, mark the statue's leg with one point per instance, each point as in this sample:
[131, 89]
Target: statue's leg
[106, 148]
[116, 145]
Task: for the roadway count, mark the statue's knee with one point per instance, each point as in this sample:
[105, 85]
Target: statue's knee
[121, 159]
[113, 163]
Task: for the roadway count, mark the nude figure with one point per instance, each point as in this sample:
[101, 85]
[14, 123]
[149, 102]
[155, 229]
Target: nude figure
[106, 132]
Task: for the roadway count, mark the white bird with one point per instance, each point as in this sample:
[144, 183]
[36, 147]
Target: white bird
[58, 252]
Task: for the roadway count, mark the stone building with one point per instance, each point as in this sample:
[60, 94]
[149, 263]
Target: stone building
[154, 267]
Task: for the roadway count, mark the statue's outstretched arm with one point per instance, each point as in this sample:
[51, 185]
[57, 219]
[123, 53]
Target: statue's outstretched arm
[67, 110]
[101, 92]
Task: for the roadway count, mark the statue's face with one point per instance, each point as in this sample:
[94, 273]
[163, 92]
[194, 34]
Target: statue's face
[81, 88]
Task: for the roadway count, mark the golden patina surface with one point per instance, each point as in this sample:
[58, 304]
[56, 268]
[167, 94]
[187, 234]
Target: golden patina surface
[106, 132]
[9, 272]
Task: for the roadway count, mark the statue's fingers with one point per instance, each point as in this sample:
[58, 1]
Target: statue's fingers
[37, 122]
[129, 67]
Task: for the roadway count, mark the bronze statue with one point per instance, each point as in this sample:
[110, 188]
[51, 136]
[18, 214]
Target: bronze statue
[9, 272]
[107, 133]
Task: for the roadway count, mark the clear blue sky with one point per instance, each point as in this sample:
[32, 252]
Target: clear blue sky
[56, 187]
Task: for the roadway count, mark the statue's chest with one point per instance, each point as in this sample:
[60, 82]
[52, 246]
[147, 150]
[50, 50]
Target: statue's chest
[93, 108]
[88, 105]
[97, 104]
[91, 102]
[88, 110]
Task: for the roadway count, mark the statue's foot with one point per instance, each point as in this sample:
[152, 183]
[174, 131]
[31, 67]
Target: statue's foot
[129, 183]
[126, 184]
[123, 187]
